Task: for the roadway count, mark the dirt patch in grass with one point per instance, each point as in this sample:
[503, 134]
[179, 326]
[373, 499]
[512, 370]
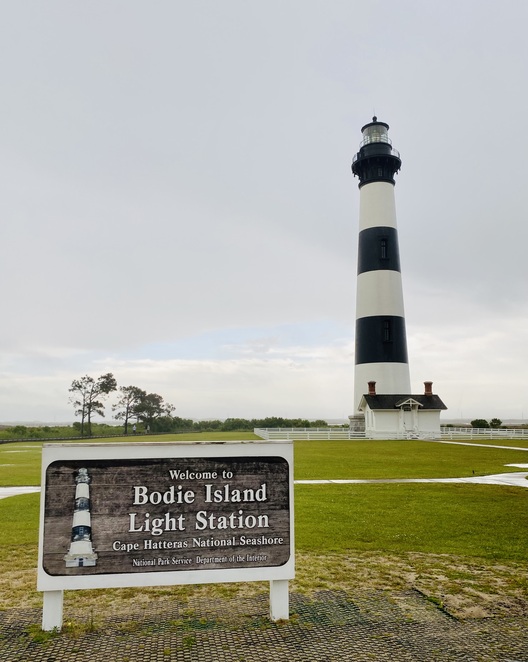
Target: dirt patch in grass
[465, 588]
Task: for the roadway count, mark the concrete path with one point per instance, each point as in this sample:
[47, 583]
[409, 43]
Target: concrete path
[515, 479]
[470, 443]
[15, 491]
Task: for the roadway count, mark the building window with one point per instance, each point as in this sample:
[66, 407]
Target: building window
[387, 331]
[384, 248]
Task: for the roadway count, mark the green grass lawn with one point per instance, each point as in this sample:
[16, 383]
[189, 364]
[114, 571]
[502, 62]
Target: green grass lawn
[20, 464]
[20, 461]
[490, 521]
[363, 459]
[477, 523]
[485, 521]
[19, 517]
[367, 459]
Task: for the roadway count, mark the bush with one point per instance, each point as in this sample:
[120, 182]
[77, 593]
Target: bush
[18, 431]
[479, 423]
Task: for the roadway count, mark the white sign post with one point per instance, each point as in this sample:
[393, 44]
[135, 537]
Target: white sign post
[159, 514]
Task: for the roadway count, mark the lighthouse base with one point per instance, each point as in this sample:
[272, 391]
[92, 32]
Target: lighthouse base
[76, 561]
[389, 377]
[357, 423]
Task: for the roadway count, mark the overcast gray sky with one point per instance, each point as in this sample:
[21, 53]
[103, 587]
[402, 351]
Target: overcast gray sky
[177, 205]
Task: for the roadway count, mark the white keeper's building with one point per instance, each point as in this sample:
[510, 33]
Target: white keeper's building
[401, 416]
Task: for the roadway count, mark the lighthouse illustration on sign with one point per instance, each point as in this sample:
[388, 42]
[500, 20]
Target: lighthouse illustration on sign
[81, 553]
[383, 404]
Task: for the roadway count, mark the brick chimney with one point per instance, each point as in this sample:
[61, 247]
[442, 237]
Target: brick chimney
[372, 388]
[428, 388]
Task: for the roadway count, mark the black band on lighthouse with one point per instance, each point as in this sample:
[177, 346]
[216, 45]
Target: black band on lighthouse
[381, 339]
[378, 249]
[81, 532]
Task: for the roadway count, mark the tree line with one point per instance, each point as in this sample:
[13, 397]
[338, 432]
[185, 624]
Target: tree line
[137, 407]
[133, 406]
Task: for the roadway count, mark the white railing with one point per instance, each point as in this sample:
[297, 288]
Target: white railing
[483, 433]
[271, 434]
[358, 155]
[307, 433]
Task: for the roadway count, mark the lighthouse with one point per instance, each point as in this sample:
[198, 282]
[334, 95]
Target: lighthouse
[81, 552]
[381, 342]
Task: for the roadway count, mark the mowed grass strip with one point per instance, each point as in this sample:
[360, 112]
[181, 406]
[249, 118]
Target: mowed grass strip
[342, 459]
[367, 459]
[20, 462]
[485, 521]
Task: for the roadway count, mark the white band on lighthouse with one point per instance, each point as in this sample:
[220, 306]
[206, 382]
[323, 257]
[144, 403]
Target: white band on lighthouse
[379, 291]
[377, 205]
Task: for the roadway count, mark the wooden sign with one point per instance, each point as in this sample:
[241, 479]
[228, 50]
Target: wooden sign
[165, 513]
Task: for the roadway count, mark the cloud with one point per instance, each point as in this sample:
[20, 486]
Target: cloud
[178, 189]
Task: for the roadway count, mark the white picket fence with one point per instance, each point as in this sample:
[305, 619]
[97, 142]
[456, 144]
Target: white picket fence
[307, 433]
[483, 433]
[271, 434]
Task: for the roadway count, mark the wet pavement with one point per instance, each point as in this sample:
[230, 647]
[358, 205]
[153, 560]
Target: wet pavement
[328, 626]
[15, 491]
[514, 479]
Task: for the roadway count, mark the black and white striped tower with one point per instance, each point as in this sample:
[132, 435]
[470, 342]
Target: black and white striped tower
[81, 552]
[381, 343]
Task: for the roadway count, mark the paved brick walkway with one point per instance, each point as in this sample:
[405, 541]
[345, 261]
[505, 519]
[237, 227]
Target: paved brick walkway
[328, 627]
